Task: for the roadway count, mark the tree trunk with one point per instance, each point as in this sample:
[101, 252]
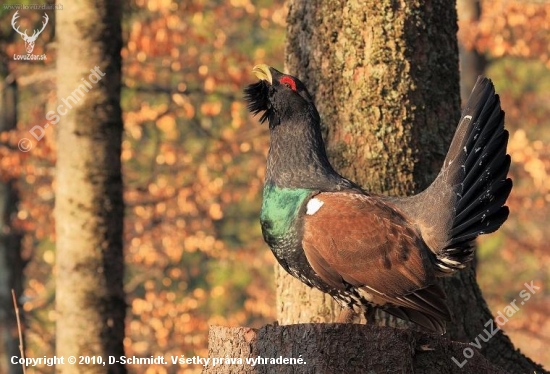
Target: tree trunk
[385, 79]
[11, 278]
[338, 348]
[11, 263]
[89, 203]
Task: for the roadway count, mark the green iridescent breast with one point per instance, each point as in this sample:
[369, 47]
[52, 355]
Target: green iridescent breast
[280, 208]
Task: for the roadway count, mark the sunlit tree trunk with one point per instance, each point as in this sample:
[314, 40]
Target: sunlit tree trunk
[89, 206]
[11, 263]
[385, 79]
[11, 277]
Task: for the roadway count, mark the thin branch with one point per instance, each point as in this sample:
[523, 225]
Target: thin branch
[19, 329]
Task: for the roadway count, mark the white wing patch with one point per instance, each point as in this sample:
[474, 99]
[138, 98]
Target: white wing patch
[313, 206]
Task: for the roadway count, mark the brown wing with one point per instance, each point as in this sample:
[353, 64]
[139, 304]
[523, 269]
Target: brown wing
[356, 239]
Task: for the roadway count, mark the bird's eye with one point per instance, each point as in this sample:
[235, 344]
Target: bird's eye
[288, 82]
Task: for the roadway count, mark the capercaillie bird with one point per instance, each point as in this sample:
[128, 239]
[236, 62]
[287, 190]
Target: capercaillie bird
[368, 250]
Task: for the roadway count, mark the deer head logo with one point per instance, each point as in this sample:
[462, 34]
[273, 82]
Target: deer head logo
[29, 40]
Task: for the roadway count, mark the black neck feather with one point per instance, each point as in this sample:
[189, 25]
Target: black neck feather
[297, 156]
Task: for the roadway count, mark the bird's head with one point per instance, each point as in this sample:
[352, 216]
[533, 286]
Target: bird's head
[281, 97]
[297, 156]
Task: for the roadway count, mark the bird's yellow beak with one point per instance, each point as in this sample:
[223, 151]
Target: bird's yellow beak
[263, 73]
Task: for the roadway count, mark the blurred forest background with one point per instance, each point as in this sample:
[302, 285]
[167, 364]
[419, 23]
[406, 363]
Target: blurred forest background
[194, 162]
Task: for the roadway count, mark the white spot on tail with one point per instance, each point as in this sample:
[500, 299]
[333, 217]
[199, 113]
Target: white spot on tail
[313, 206]
[469, 118]
[448, 261]
[367, 295]
[443, 267]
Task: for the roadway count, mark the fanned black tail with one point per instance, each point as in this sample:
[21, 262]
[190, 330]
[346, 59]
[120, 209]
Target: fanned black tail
[467, 198]
[476, 167]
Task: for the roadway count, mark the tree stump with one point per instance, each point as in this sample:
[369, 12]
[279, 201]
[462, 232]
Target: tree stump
[338, 348]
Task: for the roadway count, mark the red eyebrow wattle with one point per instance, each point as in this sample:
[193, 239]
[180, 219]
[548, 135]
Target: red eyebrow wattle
[289, 81]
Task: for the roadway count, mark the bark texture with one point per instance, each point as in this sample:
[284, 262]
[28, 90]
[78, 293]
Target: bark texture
[11, 262]
[89, 205]
[339, 348]
[11, 277]
[385, 78]
[8, 98]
